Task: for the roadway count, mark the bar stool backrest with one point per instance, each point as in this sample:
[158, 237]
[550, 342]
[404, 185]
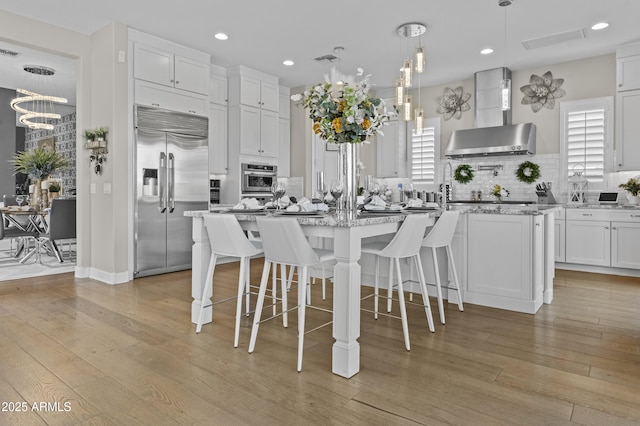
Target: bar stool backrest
[284, 242]
[409, 237]
[442, 232]
[226, 237]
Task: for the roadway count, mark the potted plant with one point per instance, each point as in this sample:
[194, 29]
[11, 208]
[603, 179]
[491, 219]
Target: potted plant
[54, 190]
[38, 163]
[632, 186]
[90, 135]
[101, 133]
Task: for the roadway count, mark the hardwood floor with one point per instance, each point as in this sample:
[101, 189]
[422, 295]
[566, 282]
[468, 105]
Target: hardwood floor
[128, 354]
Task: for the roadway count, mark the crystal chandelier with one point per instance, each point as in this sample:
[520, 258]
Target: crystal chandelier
[409, 66]
[36, 108]
[505, 84]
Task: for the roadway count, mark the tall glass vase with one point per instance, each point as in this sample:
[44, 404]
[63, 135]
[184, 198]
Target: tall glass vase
[347, 170]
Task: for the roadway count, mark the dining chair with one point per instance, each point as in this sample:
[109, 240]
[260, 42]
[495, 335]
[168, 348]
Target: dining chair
[227, 238]
[285, 244]
[62, 224]
[441, 235]
[404, 245]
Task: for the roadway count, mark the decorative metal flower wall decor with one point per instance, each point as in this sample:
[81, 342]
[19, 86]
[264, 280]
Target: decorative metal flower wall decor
[542, 91]
[453, 102]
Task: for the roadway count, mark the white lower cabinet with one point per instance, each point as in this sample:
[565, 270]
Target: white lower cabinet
[603, 237]
[625, 245]
[588, 242]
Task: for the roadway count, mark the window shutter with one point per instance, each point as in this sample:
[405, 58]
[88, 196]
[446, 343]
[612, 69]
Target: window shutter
[585, 144]
[423, 152]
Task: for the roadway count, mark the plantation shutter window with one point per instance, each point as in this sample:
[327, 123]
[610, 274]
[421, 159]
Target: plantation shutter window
[424, 147]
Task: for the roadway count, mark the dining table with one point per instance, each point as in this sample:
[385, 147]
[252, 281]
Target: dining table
[26, 219]
[347, 233]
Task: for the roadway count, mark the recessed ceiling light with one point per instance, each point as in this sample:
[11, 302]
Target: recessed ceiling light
[600, 26]
[288, 62]
[486, 51]
[221, 36]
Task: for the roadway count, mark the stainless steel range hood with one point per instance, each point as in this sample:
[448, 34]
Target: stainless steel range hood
[493, 134]
[500, 140]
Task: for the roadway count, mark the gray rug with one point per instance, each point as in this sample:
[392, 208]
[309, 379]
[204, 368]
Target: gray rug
[11, 269]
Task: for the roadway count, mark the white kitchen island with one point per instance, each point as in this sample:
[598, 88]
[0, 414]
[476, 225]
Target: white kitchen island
[347, 236]
[505, 256]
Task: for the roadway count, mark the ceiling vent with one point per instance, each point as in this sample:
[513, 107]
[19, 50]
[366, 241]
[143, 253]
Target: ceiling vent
[5, 52]
[327, 58]
[544, 41]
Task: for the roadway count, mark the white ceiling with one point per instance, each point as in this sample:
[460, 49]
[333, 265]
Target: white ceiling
[264, 33]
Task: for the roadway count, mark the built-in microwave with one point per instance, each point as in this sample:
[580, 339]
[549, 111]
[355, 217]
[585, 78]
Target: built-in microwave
[258, 178]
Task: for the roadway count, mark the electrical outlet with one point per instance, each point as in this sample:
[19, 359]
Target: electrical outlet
[93, 188]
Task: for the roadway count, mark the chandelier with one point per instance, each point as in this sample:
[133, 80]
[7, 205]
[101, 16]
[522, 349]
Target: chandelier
[36, 108]
[409, 67]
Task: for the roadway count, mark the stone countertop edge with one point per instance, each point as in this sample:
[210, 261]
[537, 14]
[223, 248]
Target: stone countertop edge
[532, 210]
[327, 220]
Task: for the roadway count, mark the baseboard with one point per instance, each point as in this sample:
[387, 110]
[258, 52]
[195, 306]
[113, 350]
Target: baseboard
[111, 278]
[598, 269]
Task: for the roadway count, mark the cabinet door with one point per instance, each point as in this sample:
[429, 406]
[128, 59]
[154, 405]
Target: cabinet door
[146, 93]
[191, 75]
[387, 150]
[628, 73]
[153, 65]
[269, 133]
[284, 103]
[284, 149]
[218, 93]
[269, 96]
[501, 260]
[628, 130]
[588, 242]
[249, 91]
[249, 130]
[218, 139]
[625, 245]
[559, 234]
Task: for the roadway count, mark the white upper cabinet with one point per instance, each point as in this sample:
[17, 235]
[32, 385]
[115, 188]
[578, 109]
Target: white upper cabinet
[253, 88]
[163, 67]
[628, 107]
[628, 67]
[218, 88]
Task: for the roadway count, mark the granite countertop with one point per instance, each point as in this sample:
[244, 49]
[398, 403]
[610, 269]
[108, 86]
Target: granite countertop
[530, 210]
[603, 206]
[331, 219]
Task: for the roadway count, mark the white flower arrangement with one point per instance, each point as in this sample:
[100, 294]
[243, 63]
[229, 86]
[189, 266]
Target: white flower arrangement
[342, 109]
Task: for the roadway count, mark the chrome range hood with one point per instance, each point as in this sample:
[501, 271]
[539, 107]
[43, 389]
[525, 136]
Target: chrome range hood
[500, 140]
[494, 134]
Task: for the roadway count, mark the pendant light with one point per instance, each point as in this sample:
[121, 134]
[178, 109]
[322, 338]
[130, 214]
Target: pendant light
[36, 108]
[505, 84]
[420, 59]
[406, 108]
[399, 85]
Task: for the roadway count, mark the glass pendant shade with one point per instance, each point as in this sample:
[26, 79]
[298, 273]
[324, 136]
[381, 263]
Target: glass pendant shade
[406, 108]
[419, 117]
[407, 71]
[399, 92]
[505, 94]
[420, 60]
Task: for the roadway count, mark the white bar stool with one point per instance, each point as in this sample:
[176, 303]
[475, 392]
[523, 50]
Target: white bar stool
[285, 244]
[227, 238]
[441, 235]
[405, 244]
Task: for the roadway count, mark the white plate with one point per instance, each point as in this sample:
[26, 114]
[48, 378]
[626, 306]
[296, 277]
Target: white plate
[310, 213]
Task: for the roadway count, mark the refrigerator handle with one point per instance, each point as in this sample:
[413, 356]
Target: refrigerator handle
[163, 184]
[172, 183]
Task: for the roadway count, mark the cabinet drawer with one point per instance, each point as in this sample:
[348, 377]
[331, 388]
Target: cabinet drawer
[604, 215]
[168, 98]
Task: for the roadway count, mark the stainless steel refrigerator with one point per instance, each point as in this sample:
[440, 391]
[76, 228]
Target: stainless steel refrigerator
[172, 176]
